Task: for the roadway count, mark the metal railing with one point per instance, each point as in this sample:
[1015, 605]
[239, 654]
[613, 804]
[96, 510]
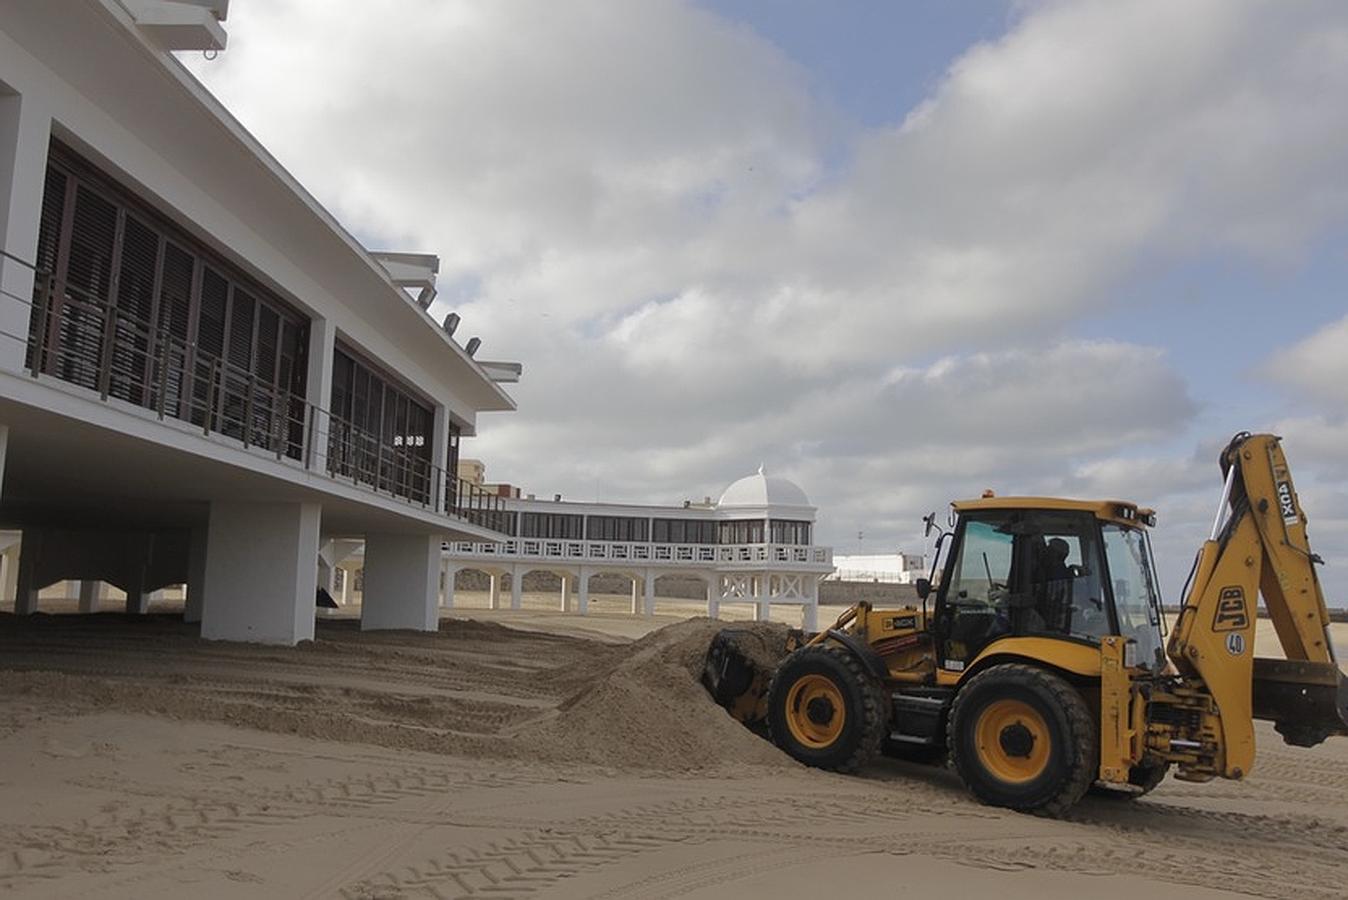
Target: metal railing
[88, 341]
[561, 550]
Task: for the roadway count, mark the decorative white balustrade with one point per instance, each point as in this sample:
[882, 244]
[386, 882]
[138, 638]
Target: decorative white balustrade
[674, 555]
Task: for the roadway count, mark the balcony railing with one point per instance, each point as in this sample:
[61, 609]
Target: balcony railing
[601, 552]
[86, 341]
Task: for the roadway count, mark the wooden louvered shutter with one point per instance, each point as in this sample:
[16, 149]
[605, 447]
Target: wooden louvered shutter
[172, 318]
[88, 277]
[131, 350]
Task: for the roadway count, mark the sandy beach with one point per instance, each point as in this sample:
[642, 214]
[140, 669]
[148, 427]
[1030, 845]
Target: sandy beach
[536, 754]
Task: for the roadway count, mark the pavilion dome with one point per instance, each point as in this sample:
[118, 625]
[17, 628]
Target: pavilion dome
[760, 489]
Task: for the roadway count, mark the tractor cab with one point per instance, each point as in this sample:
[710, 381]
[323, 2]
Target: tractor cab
[1027, 567]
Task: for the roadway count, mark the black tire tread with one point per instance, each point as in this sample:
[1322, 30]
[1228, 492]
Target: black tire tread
[873, 706]
[1084, 761]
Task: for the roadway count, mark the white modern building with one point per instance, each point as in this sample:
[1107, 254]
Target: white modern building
[891, 568]
[204, 379]
[754, 545]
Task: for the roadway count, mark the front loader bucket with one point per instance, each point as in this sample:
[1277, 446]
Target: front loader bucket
[1306, 701]
[739, 667]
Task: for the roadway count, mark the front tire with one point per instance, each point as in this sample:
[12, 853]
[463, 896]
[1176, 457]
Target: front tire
[825, 710]
[1023, 738]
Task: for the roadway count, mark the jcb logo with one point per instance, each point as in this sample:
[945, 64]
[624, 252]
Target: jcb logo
[1286, 504]
[1231, 612]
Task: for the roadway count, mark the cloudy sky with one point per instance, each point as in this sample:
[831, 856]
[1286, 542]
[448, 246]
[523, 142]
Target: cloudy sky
[897, 252]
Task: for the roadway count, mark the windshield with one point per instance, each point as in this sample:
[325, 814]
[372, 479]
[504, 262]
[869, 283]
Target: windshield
[1136, 600]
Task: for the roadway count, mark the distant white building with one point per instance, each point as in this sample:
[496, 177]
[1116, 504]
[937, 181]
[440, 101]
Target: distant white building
[892, 568]
[753, 545]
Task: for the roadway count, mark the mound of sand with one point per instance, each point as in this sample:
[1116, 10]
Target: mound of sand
[647, 709]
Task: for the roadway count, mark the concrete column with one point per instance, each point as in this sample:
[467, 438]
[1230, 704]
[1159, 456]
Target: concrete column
[713, 600]
[635, 603]
[583, 592]
[27, 586]
[440, 456]
[196, 575]
[516, 587]
[648, 605]
[348, 576]
[318, 391]
[401, 575]
[763, 604]
[70, 589]
[566, 593]
[494, 590]
[91, 593]
[810, 616]
[138, 601]
[9, 564]
[450, 573]
[261, 576]
[25, 134]
[4, 432]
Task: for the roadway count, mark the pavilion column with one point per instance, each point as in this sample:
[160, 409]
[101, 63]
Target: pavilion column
[196, 575]
[713, 598]
[583, 592]
[636, 580]
[401, 582]
[762, 602]
[27, 582]
[516, 587]
[648, 601]
[261, 572]
[566, 592]
[91, 593]
[450, 573]
[494, 590]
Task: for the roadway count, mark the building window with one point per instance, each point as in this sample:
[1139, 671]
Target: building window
[683, 531]
[787, 531]
[131, 305]
[740, 531]
[617, 528]
[379, 433]
[561, 526]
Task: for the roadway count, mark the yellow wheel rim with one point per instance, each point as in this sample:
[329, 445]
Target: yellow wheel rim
[1013, 741]
[815, 712]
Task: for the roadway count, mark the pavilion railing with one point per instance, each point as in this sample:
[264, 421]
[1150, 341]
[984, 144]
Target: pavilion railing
[87, 341]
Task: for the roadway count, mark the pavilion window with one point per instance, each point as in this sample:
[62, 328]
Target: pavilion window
[136, 307]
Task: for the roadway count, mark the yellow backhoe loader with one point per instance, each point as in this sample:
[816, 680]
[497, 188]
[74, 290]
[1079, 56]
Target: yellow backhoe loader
[1039, 667]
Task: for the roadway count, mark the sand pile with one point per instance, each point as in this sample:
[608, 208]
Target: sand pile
[647, 709]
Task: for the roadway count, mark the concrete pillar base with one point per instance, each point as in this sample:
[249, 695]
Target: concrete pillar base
[91, 594]
[26, 587]
[401, 575]
[450, 574]
[261, 572]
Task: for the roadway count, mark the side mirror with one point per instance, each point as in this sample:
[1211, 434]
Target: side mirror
[929, 520]
[923, 586]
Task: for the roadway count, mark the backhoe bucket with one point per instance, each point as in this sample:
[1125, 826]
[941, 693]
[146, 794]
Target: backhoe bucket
[1306, 701]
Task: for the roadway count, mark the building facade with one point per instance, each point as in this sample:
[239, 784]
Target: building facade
[204, 379]
[891, 568]
[753, 545]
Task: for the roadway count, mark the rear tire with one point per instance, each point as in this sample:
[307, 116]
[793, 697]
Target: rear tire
[1023, 738]
[826, 710]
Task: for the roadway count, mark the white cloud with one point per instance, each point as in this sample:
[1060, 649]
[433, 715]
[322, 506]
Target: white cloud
[1317, 366]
